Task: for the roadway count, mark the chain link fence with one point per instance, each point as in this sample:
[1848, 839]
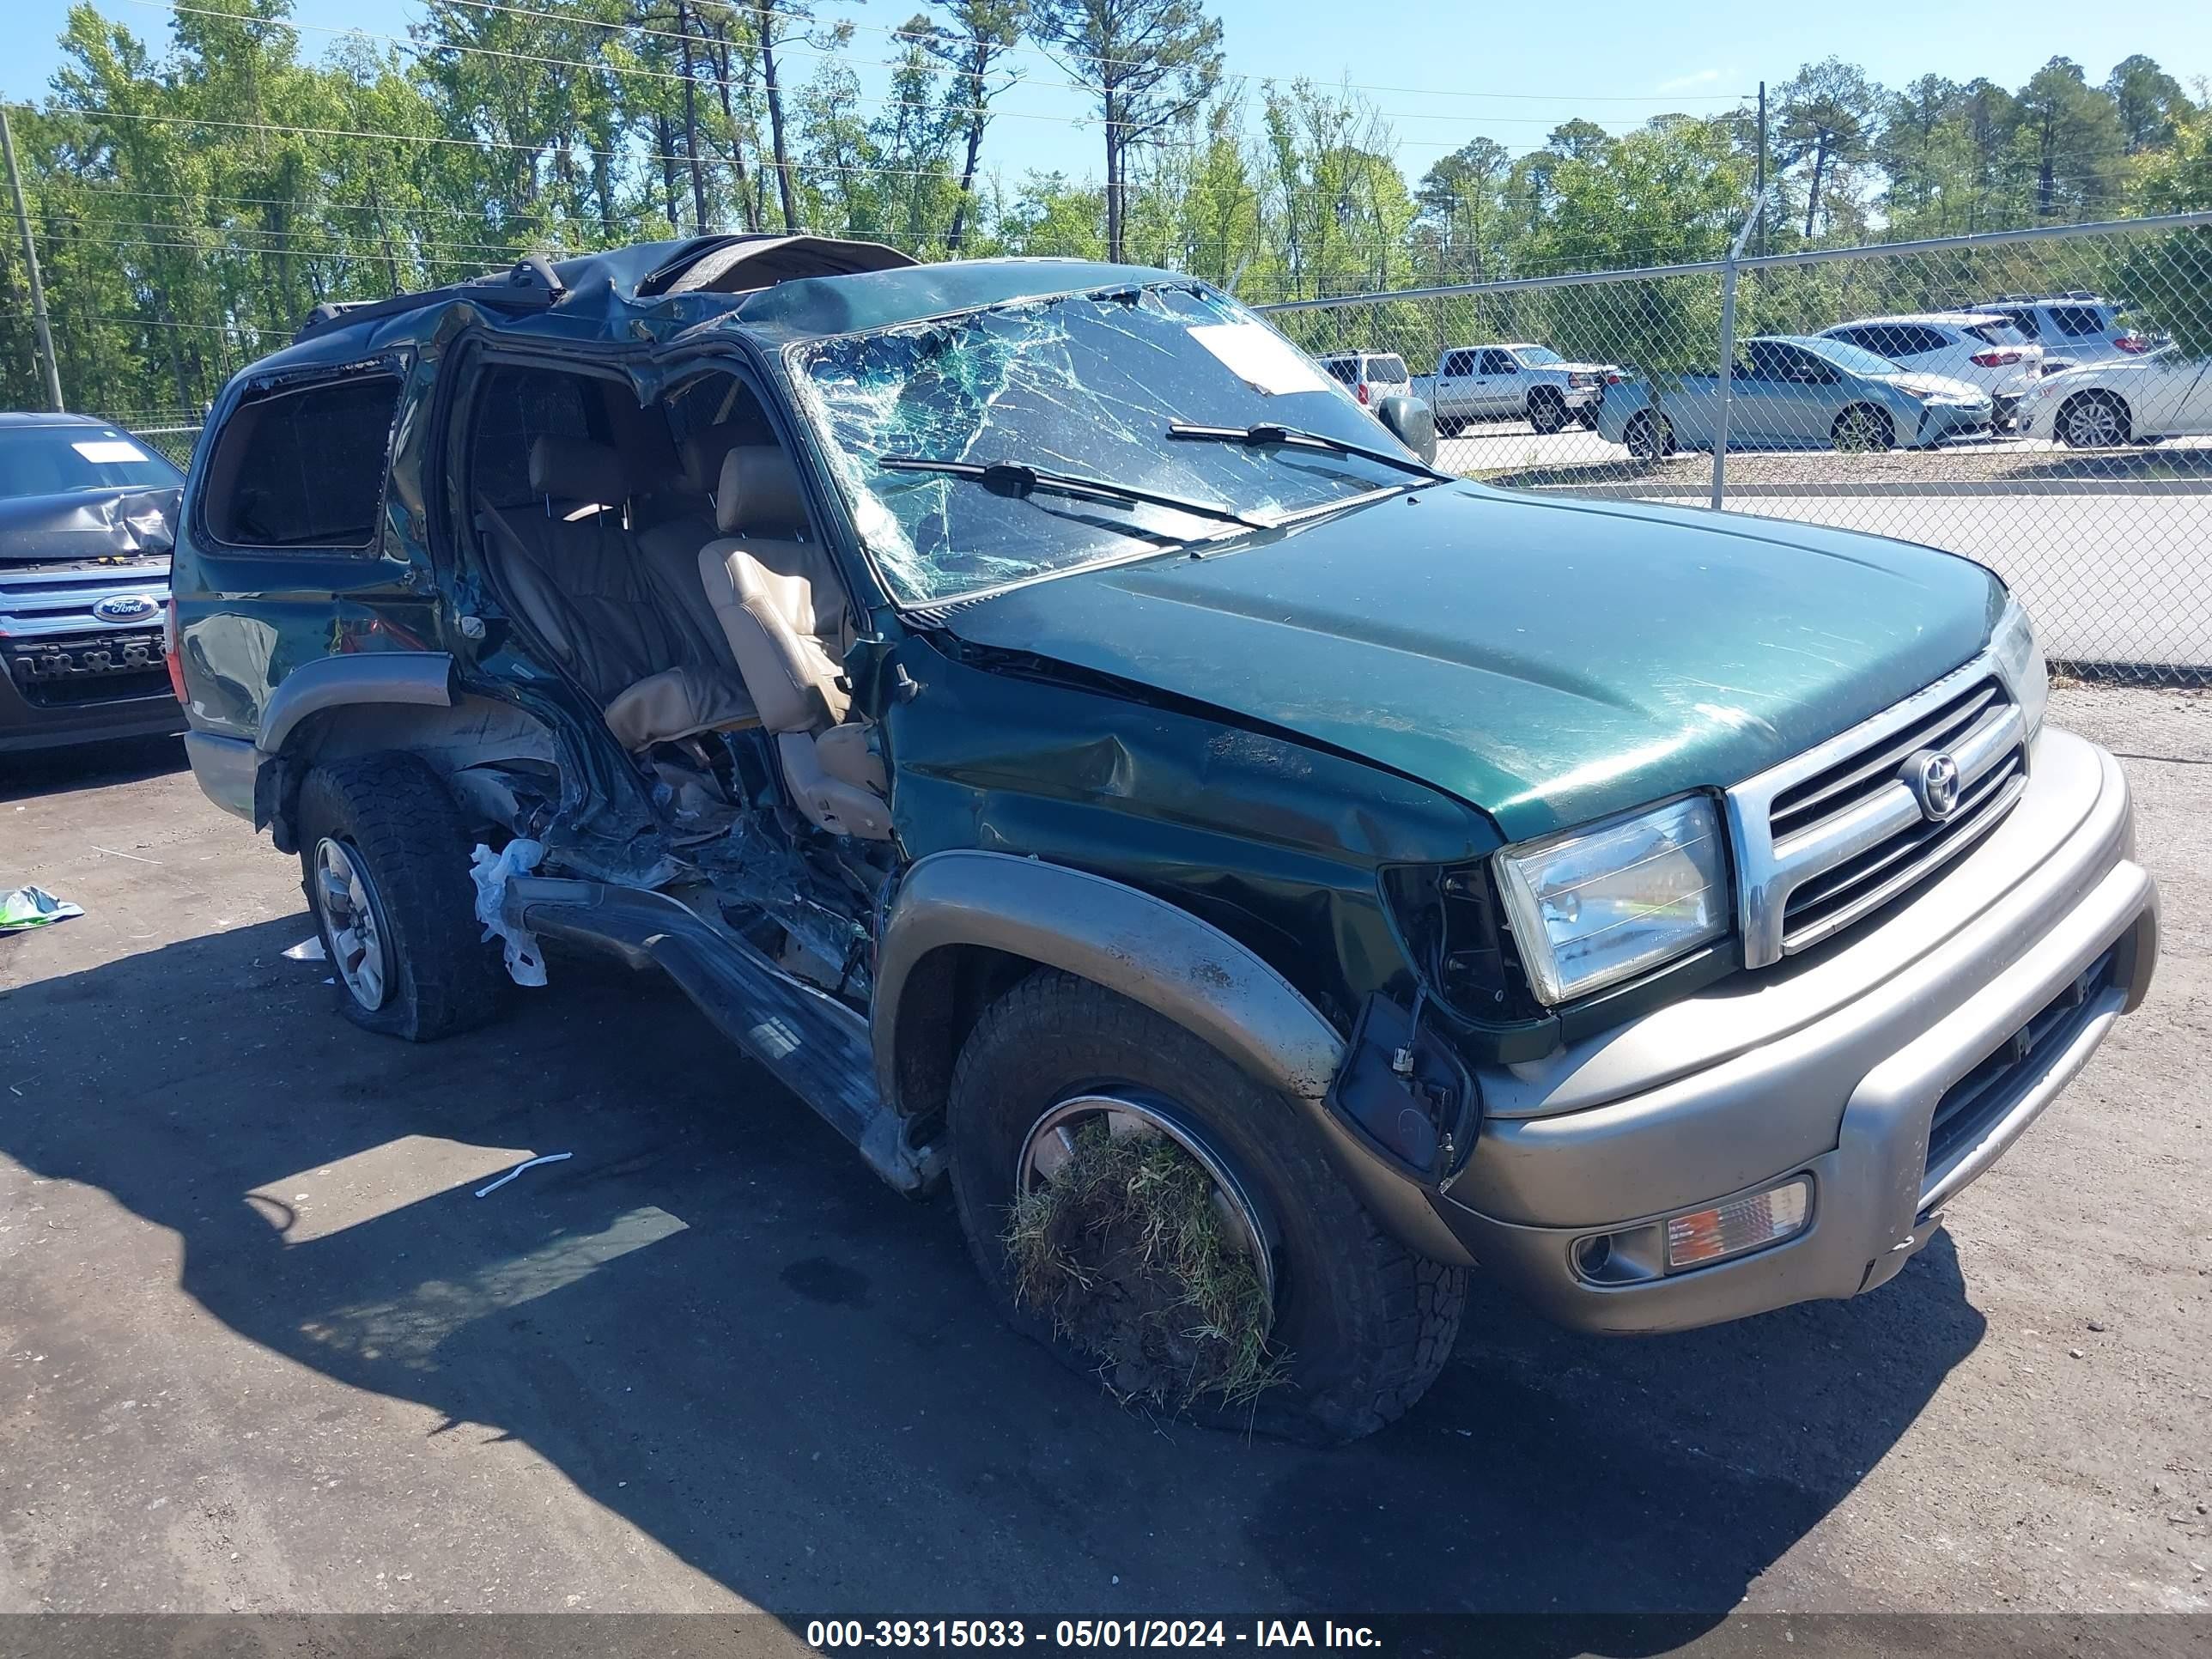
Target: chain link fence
[172, 441]
[2040, 401]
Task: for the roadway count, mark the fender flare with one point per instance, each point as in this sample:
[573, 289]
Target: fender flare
[1118, 936]
[423, 677]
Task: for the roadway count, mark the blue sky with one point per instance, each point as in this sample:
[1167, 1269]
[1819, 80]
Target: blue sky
[1421, 60]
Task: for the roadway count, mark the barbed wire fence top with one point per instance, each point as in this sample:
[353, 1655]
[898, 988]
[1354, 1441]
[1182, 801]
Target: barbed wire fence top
[2039, 401]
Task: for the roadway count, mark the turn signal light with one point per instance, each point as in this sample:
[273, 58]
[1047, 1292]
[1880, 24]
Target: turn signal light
[1738, 1226]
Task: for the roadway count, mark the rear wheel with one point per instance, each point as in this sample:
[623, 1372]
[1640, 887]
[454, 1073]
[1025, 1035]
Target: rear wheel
[2094, 420]
[1355, 1326]
[1547, 410]
[1862, 429]
[1649, 436]
[385, 864]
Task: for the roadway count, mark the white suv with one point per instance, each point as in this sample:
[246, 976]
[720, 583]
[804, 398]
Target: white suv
[1980, 348]
[2073, 329]
[1372, 375]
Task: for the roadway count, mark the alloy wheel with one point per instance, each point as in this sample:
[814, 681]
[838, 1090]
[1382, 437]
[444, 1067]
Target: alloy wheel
[353, 921]
[2094, 423]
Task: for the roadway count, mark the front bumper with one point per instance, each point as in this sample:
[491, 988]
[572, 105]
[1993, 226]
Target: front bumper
[1832, 1068]
[44, 715]
[1939, 422]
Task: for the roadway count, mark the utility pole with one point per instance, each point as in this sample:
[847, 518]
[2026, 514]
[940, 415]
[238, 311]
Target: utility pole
[31, 264]
[1761, 198]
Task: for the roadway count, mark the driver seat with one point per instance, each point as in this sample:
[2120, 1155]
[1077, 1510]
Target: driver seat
[782, 609]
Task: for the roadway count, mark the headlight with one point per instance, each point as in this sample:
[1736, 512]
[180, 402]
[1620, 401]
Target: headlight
[2019, 662]
[1597, 906]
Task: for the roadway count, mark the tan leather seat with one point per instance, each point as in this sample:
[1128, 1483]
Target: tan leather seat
[579, 577]
[780, 607]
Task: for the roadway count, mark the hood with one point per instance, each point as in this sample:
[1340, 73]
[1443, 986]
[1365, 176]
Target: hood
[1549, 661]
[88, 524]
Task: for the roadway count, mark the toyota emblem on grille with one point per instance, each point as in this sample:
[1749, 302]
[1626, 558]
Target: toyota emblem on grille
[123, 607]
[1934, 780]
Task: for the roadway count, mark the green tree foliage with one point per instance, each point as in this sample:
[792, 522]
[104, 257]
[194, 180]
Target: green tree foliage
[1150, 64]
[191, 204]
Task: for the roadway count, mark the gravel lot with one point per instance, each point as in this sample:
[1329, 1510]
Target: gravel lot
[261, 1350]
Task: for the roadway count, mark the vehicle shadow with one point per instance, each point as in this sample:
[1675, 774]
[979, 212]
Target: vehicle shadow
[88, 765]
[717, 1324]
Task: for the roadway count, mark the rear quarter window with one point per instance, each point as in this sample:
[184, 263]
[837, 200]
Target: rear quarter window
[303, 467]
[1387, 371]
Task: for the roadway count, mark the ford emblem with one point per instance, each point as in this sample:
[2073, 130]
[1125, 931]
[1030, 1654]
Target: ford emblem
[123, 607]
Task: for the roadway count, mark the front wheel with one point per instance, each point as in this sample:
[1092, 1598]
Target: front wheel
[1864, 429]
[1546, 412]
[2094, 420]
[1161, 1222]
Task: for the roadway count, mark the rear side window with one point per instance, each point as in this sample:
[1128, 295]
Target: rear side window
[2076, 321]
[303, 467]
[2026, 322]
[1460, 362]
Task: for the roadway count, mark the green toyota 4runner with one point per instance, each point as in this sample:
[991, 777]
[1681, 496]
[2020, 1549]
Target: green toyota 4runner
[1038, 714]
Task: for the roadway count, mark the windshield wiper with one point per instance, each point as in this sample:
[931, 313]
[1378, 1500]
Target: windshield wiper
[1266, 436]
[1015, 481]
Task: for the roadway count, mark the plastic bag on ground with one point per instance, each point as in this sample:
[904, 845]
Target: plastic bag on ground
[33, 907]
[490, 871]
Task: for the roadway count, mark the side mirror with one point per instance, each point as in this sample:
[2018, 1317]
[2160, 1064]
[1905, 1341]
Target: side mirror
[1412, 424]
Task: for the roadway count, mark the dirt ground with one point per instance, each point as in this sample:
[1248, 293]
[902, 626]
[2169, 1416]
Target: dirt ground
[262, 1350]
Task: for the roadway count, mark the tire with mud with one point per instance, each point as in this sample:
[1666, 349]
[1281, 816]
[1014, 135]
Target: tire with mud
[385, 864]
[1361, 1326]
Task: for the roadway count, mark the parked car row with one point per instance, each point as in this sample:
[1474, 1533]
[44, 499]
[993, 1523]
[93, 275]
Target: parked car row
[1917, 378]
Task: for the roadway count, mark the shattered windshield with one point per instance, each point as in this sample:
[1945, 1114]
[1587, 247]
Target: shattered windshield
[1085, 385]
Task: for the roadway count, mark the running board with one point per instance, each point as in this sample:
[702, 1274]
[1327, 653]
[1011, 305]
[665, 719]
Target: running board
[814, 1046]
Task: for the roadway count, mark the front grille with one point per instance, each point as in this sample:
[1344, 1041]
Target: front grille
[1836, 892]
[1977, 1101]
[65, 672]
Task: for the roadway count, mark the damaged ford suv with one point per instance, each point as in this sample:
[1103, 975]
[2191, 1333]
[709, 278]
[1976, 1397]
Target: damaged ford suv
[1043, 718]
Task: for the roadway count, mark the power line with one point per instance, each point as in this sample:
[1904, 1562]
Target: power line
[760, 12]
[593, 217]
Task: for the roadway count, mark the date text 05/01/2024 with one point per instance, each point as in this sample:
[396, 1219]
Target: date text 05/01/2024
[828, 1635]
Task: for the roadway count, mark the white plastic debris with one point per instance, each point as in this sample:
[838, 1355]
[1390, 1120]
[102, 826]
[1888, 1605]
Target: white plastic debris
[309, 949]
[33, 907]
[531, 1163]
[526, 962]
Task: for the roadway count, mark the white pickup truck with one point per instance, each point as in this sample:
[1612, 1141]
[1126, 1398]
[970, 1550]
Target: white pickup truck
[1531, 383]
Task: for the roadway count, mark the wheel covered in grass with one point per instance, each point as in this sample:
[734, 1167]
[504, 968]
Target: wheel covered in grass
[1163, 1222]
